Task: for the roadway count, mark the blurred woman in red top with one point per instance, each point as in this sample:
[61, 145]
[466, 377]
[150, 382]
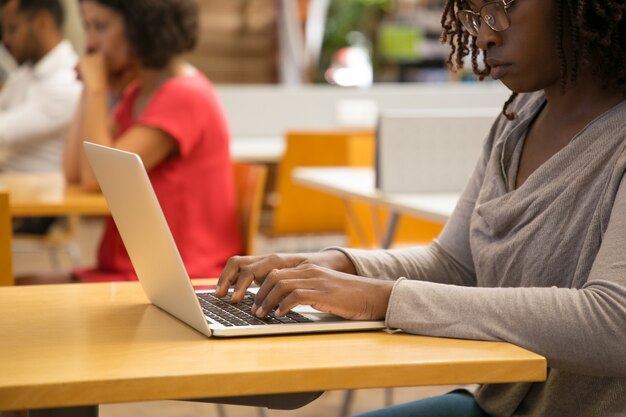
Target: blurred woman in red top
[168, 113]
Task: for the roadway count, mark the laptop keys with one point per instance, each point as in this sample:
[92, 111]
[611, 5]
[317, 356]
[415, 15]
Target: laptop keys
[224, 312]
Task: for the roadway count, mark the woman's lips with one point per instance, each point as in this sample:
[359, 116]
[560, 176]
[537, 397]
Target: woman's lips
[498, 69]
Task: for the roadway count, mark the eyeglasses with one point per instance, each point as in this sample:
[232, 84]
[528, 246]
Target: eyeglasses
[492, 13]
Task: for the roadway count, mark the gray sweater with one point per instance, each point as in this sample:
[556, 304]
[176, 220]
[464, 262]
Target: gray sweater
[542, 266]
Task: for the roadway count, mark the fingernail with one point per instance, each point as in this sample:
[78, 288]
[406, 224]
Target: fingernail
[254, 308]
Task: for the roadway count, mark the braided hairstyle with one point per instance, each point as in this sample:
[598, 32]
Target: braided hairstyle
[597, 35]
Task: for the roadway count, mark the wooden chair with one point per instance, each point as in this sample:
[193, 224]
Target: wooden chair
[6, 256]
[250, 182]
[301, 210]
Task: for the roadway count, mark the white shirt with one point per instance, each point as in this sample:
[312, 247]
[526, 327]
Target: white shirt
[7, 63]
[37, 105]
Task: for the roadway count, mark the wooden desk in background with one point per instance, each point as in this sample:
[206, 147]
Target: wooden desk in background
[74, 201]
[87, 344]
[45, 194]
[351, 183]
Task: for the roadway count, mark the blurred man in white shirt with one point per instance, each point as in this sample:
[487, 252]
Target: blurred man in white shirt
[39, 98]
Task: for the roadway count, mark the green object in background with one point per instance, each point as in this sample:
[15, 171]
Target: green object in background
[399, 42]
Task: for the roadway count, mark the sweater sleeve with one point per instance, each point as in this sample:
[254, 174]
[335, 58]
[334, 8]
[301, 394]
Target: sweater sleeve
[577, 330]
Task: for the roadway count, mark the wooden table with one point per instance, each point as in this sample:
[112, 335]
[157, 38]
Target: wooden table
[85, 344]
[351, 183]
[74, 201]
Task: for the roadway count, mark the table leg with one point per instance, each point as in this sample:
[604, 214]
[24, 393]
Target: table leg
[348, 397]
[353, 219]
[391, 230]
[376, 212]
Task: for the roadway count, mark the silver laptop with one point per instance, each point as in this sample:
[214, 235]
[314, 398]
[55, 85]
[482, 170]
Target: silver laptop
[159, 266]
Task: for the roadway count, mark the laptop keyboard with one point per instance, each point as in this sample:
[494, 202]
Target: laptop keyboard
[226, 313]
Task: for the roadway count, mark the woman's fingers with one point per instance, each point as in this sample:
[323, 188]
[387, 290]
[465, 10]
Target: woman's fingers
[276, 283]
[287, 288]
[229, 275]
[286, 295]
[241, 271]
[299, 296]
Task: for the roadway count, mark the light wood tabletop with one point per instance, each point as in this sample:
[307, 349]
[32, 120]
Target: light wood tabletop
[86, 344]
[73, 201]
[46, 194]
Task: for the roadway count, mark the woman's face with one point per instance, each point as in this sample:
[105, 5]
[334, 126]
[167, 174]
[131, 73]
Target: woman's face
[106, 35]
[524, 56]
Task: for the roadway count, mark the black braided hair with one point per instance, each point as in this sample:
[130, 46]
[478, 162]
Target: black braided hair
[597, 35]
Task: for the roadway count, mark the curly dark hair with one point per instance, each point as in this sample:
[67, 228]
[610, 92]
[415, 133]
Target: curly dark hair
[158, 30]
[597, 31]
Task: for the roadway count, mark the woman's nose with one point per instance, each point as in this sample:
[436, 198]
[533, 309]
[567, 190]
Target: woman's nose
[487, 37]
[91, 43]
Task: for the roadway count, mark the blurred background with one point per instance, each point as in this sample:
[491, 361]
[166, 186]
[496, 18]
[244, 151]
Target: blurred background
[339, 42]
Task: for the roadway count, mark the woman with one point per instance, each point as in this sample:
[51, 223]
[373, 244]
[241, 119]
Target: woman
[535, 251]
[168, 113]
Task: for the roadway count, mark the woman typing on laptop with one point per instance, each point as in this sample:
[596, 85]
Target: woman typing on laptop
[534, 253]
[169, 114]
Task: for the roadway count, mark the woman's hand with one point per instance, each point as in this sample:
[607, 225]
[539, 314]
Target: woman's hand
[345, 295]
[92, 71]
[241, 271]
[325, 280]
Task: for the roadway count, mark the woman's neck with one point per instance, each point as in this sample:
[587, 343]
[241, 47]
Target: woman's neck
[151, 79]
[584, 99]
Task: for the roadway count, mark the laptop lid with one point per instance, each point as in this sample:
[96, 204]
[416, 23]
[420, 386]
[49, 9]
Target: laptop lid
[150, 246]
[155, 257]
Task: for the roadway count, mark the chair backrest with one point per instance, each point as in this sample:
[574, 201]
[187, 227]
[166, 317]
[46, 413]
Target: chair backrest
[250, 185]
[6, 256]
[301, 210]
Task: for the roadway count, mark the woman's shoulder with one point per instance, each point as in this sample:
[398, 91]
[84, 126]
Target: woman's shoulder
[189, 82]
[188, 89]
[615, 117]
